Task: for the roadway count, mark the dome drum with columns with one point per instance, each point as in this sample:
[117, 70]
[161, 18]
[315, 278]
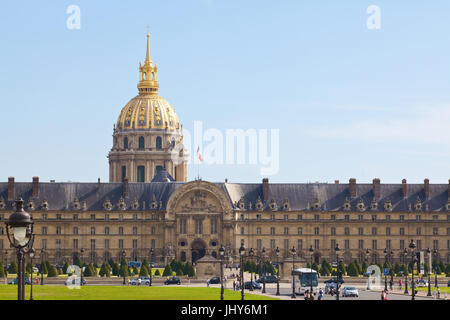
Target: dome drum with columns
[146, 133]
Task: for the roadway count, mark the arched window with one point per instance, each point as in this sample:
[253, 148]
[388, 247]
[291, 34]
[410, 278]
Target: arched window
[172, 143]
[141, 143]
[125, 143]
[158, 142]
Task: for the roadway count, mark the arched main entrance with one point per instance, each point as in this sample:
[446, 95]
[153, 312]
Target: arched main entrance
[198, 248]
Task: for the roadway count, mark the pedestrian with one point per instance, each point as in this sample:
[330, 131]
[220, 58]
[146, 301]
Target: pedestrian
[234, 285]
[207, 283]
[320, 294]
[306, 294]
[385, 295]
[400, 283]
[391, 284]
[382, 295]
[438, 293]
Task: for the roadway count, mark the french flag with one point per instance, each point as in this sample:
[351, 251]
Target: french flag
[199, 154]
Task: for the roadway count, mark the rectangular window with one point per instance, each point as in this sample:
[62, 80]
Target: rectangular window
[374, 231]
[388, 244]
[242, 230]
[92, 216]
[435, 217]
[388, 231]
[316, 217]
[333, 231]
[360, 244]
[58, 216]
[418, 217]
[140, 174]
[106, 216]
[44, 216]
[388, 217]
[286, 217]
[333, 244]
[1, 243]
[286, 230]
[120, 243]
[419, 244]
[300, 244]
[333, 217]
[272, 243]
[107, 230]
[360, 231]
[120, 217]
[374, 244]
[58, 230]
[316, 231]
[258, 217]
[316, 244]
[360, 217]
[402, 244]
[135, 231]
[402, 217]
[120, 230]
[347, 217]
[124, 173]
[402, 231]
[347, 231]
[92, 230]
[153, 230]
[44, 230]
[418, 231]
[272, 230]
[75, 243]
[92, 244]
[435, 231]
[135, 243]
[44, 244]
[58, 244]
[183, 223]
[152, 243]
[347, 244]
[213, 225]
[435, 244]
[299, 217]
[258, 231]
[198, 226]
[272, 217]
[300, 231]
[374, 217]
[259, 244]
[286, 244]
[106, 243]
[75, 217]
[75, 230]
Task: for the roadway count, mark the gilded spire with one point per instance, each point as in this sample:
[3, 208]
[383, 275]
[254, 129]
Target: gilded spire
[148, 83]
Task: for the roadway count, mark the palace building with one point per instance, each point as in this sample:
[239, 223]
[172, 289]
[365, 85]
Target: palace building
[148, 203]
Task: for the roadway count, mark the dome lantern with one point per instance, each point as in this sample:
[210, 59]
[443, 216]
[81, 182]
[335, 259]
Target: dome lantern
[148, 83]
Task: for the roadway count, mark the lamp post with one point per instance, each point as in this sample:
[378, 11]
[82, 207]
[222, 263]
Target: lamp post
[412, 247]
[82, 265]
[42, 266]
[21, 225]
[31, 254]
[428, 271]
[123, 257]
[6, 266]
[277, 252]
[293, 252]
[242, 255]
[221, 255]
[336, 249]
[263, 256]
[311, 251]
[405, 253]
[385, 263]
[150, 265]
[391, 260]
[367, 262]
[435, 252]
[251, 253]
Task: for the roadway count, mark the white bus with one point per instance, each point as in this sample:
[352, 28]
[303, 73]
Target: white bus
[303, 278]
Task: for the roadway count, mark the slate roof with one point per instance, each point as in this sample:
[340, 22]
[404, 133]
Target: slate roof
[301, 196]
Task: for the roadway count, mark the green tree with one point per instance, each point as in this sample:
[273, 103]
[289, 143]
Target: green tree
[341, 268]
[29, 267]
[352, 270]
[364, 267]
[43, 268]
[12, 268]
[52, 272]
[167, 271]
[442, 266]
[64, 268]
[315, 267]
[179, 272]
[115, 269]
[124, 271]
[358, 266]
[144, 271]
[145, 263]
[157, 273]
[78, 262]
[191, 271]
[447, 270]
[135, 270]
[104, 271]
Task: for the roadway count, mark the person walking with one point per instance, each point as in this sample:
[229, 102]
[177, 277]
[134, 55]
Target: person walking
[207, 283]
[385, 295]
[320, 294]
[400, 283]
[234, 285]
[391, 284]
[382, 295]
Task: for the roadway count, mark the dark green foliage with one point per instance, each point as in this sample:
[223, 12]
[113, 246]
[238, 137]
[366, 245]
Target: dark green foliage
[341, 268]
[179, 272]
[115, 269]
[157, 273]
[352, 269]
[447, 270]
[167, 271]
[124, 271]
[135, 271]
[64, 268]
[144, 271]
[145, 263]
[315, 267]
[105, 270]
[364, 267]
[43, 268]
[28, 267]
[78, 262]
[12, 267]
[325, 270]
[52, 272]
[2, 271]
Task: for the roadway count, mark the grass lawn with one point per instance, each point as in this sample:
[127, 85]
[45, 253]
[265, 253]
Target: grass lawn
[47, 292]
[442, 289]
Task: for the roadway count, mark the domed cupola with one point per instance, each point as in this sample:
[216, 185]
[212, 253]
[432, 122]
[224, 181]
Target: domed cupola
[147, 133]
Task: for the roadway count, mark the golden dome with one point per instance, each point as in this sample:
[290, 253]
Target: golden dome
[148, 110]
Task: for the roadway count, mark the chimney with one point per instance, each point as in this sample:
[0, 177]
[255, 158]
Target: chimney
[426, 187]
[265, 186]
[125, 187]
[98, 184]
[336, 181]
[376, 188]
[11, 191]
[404, 188]
[35, 191]
[352, 187]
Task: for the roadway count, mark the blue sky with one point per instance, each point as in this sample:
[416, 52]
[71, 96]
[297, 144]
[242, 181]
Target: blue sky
[349, 101]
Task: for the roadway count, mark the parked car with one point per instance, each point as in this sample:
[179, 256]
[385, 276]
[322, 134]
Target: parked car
[214, 280]
[269, 279]
[422, 283]
[173, 280]
[16, 281]
[448, 283]
[334, 280]
[74, 282]
[256, 285]
[141, 281]
[350, 292]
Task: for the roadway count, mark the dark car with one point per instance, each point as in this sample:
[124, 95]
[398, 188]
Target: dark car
[15, 281]
[173, 280]
[256, 285]
[448, 283]
[269, 279]
[214, 280]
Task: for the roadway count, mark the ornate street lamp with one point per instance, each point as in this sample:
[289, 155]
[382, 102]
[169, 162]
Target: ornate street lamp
[412, 247]
[293, 252]
[428, 271]
[391, 261]
[311, 251]
[6, 266]
[263, 256]
[277, 252]
[251, 253]
[221, 255]
[336, 249]
[123, 257]
[31, 254]
[21, 225]
[42, 266]
[82, 265]
[435, 252]
[367, 262]
[150, 265]
[405, 253]
[242, 255]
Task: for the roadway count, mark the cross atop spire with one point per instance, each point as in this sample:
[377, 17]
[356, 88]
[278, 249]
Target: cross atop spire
[148, 83]
[148, 60]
